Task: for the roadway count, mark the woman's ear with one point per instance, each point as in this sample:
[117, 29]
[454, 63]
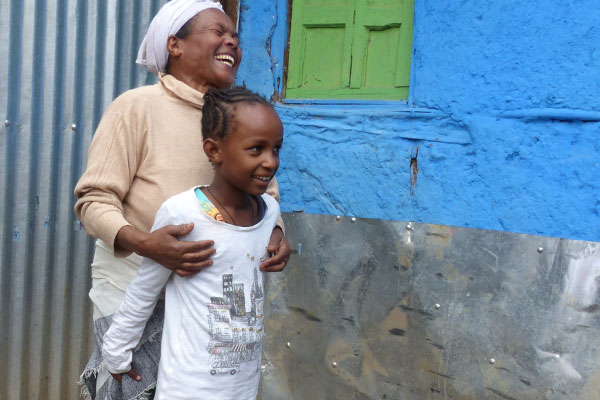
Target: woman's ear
[212, 149]
[174, 46]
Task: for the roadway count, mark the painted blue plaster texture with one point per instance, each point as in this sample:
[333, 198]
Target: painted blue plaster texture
[508, 133]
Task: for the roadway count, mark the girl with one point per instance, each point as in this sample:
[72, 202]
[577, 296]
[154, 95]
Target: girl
[211, 343]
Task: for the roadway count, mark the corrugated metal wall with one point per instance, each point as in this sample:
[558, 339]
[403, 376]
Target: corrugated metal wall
[63, 62]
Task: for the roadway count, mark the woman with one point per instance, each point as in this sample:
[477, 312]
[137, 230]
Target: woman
[148, 147]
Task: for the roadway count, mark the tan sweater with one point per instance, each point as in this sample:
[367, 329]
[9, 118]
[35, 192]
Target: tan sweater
[148, 147]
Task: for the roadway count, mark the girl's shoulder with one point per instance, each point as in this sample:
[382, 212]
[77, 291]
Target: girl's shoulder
[181, 204]
[271, 205]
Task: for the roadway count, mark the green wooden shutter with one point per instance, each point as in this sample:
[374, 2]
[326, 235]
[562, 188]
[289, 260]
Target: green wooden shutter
[382, 48]
[350, 49]
[320, 45]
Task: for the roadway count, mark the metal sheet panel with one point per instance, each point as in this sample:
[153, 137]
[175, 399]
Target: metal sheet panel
[376, 309]
[64, 62]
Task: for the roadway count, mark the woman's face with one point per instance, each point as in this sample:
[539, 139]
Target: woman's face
[210, 54]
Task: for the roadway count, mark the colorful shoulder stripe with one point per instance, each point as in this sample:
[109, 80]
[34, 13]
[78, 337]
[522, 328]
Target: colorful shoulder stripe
[207, 206]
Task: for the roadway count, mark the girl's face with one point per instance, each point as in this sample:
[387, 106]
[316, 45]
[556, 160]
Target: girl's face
[249, 154]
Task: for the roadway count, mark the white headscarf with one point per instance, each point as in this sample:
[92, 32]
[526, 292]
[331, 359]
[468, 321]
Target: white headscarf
[153, 54]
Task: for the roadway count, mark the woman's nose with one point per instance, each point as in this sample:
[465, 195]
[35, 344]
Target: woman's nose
[232, 41]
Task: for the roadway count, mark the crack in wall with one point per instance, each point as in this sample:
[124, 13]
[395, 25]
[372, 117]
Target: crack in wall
[414, 169]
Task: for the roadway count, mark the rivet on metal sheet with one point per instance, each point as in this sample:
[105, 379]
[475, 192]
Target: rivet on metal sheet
[492, 361]
[288, 345]
[334, 364]
[338, 217]
[437, 306]
[73, 127]
[540, 250]
[6, 122]
[352, 219]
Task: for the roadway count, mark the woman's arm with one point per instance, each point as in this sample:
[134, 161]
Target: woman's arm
[278, 245]
[111, 168]
[113, 161]
[183, 258]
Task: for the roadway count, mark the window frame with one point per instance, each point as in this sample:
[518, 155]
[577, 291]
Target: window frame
[232, 9]
[344, 95]
[318, 112]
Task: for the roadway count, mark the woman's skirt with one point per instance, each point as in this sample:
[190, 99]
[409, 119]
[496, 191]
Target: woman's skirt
[110, 277]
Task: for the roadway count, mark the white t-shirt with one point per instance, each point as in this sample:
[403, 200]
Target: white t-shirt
[211, 344]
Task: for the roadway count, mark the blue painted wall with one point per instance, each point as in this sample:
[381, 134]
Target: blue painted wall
[503, 120]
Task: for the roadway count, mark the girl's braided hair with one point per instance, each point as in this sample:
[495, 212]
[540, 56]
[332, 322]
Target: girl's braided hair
[219, 109]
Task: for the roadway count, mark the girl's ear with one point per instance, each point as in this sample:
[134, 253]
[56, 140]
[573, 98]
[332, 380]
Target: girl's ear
[174, 46]
[212, 149]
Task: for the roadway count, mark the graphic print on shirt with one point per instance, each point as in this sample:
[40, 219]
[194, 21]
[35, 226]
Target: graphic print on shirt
[235, 332]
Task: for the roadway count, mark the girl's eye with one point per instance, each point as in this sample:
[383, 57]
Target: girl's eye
[276, 149]
[218, 32]
[255, 149]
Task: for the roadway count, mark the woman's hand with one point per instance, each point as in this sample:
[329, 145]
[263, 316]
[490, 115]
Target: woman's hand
[182, 257]
[280, 249]
[132, 373]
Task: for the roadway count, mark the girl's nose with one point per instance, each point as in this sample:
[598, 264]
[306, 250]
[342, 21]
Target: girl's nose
[270, 161]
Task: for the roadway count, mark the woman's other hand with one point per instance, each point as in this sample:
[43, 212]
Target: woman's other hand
[182, 257]
[279, 247]
[132, 373]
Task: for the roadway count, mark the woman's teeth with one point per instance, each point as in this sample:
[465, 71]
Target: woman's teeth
[225, 58]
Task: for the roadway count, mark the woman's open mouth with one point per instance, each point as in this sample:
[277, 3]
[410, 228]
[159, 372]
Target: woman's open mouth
[226, 59]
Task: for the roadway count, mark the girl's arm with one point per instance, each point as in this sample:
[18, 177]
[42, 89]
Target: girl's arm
[130, 320]
[140, 299]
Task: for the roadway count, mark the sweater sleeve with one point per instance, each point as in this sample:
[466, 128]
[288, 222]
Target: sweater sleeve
[129, 321]
[111, 167]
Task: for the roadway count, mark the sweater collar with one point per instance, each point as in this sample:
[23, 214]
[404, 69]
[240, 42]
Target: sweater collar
[182, 91]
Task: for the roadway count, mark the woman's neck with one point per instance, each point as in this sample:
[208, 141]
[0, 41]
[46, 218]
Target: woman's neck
[188, 80]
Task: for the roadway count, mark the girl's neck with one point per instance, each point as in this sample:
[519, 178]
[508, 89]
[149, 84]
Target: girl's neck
[236, 206]
[229, 196]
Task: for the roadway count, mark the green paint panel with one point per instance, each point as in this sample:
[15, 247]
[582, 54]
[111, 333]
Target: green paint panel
[382, 57]
[324, 17]
[326, 3]
[320, 43]
[324, 67]
[383, 3]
